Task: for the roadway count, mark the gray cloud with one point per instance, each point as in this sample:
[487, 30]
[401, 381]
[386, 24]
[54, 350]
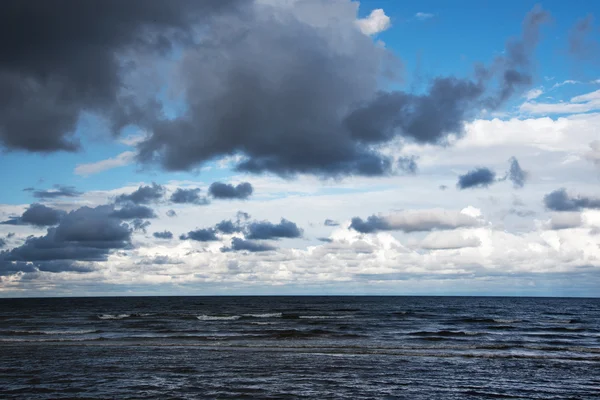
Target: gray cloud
[408, 164]
[82, 58]
[581, 42]
[85, 234]
[188, 196]
[559, 200]
[140, 225]
[159, 260]
[200, 235]
[325, 240]
[565, 220]
[228, 227]
[310, 103]
[516, 174]
[37, 215]
[330, 222]
[143, 195]
[437, 241]
[414, 221]
[171, 213]
[238, 244]
[479, 177]
[268, 230]
[221, 190]
[133, 211]
[163, 235]
[2, 243]
[58, 191]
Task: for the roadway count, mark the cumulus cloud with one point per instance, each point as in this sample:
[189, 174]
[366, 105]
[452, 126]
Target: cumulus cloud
[163, 235]
[86, 234]
[188, 196]
[565, 220]
[81, 60]
[375, 23]
[415, 221]
[252, 246]
[125, 158]
[448, 241]
[560, 200]
[58, 191]
[133, 211]
[477, 178]
[143, 195]
[200, 235]
[260, 104]
[38, 215]
[268, 230]
[221, 190]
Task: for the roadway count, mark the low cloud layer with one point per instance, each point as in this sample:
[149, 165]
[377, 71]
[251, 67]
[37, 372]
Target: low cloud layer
[133, 211]
[560, 200]
[414, 221]
[58, 191]
[252, 246]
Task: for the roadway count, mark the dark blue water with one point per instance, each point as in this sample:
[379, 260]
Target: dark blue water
[300, 347]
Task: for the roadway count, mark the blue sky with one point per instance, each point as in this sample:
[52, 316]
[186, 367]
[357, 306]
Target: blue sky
[397, 230]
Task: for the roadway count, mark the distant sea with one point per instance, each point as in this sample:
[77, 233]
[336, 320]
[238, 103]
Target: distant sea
[300, 347]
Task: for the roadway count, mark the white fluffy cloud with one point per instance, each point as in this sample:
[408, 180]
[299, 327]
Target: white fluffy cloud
[375, 23]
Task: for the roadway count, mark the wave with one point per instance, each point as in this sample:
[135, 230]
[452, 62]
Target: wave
[265, 315]
[324, 316]
[52, 332]
[218, 317]
[114, 316]
[445, 333]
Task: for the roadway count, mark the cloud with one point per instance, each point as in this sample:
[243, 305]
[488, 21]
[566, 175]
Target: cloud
[565, 220]
[260, 103]
[578, 104]
[228, 227]
[408, 164]
[159, 260]
[58, 191]
[448, 241]
[534, 93]
[37, 215]
[86, 234]
[516, 174]
[423, 16]
[163, 235]
[140, 225]
[200, 235]
[268, 230]
[2, 243]
[330, 222]
[171, 213]
[477, 178]
[581, 44]
[221, 190]
[238, 244]
[188, 196]
[593, 154]
[414, 221]
[560, 200]
[84, 58]
[375, 23]
[125, 158]
[143, 195]
[133, 211]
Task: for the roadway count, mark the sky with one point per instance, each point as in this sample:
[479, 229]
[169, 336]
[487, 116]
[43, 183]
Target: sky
[309, 147]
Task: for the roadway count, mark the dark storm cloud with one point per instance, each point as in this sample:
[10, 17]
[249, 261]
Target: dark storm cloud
[63, 58]
[143, 195]
[252, 246]
[228, 227]
[163, 235]
[414, 221]
[308, 102]
[85, 234]
[268, 230]
[171, 213]
[37, 215]
[140, 225]
[559, 200]
[58, 191]
[330, 222]
[408, 164]
[480, 177]
[516, 174]
[582, 44]
[133, 211]
[221, 190]
[188, 196]
[200, 235]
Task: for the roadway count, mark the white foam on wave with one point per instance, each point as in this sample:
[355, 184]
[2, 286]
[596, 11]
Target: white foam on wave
[218, 318]
[323, 316]
[266, 315]
[114, 316]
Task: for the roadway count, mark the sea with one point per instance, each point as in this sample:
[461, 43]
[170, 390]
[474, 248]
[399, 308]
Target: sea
[300, 347]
